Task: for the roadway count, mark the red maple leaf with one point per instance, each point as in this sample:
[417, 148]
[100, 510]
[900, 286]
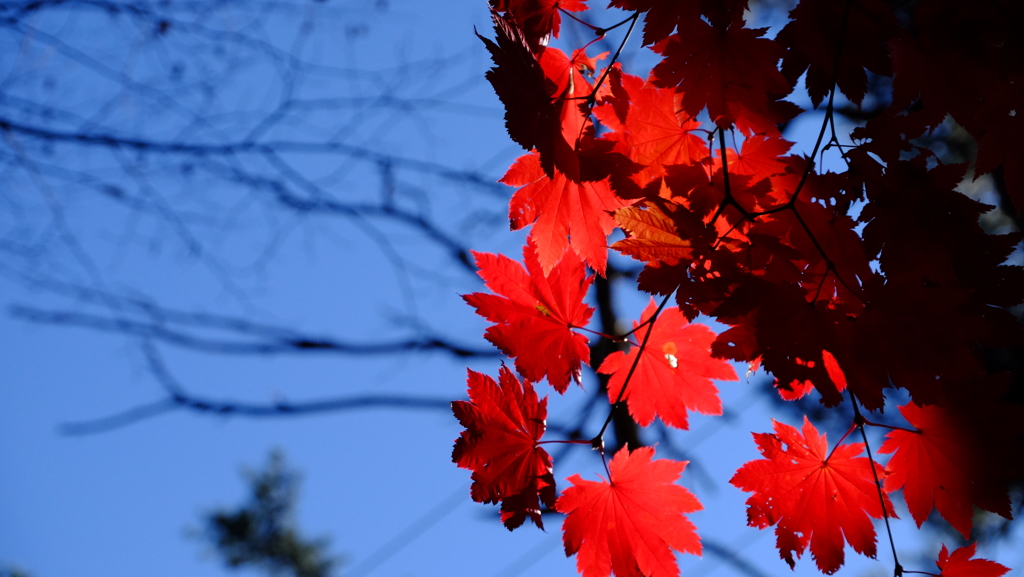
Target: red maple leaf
[674, 373]
[939, 466]
[760, 157]
[812, 40]
[960, 564]
[630, 523]
[536, 314]
[541, 94]
[662, 16]
[795, 390]
[731, 71]
[569, 90]
[519, 81]
[655, 235]
[504, 422]
[665, 15]
[563, 213]
[774, 321]
[538, 18]
[811, 496]
[654, 133]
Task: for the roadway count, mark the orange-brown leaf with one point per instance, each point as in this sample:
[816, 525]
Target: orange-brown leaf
[653, 236]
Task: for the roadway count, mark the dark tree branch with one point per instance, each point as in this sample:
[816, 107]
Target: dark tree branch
[177, 398]
[262, 339]
[198, 149]
[119, 420]
[226, 408]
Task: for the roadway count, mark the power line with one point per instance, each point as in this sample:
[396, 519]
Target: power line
[409, 534]
[527, 559]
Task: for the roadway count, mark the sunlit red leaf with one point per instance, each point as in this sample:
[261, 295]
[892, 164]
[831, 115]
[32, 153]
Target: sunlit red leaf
[563, 213]
[504, 422]
[536, 314]
[674, 373]
[542, 96]
[760, 157]
[631, 523]
[654, 235]
[960, 564]
[654, 133]
[812, 497]
[538, 18]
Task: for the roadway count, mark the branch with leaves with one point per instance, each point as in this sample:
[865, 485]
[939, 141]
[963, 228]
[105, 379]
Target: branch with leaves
[872, 278]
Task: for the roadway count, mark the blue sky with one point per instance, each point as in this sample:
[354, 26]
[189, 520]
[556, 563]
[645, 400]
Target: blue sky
[379, 483]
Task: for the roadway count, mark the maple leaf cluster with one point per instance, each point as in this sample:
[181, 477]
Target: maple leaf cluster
[851, 284]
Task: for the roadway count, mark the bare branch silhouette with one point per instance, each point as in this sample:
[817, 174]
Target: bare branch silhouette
[253, 338]
[178, 398]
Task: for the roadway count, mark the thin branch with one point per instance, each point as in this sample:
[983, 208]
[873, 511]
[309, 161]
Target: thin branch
[790, 204]
[599, 438]
[119, 420]
[178, 398]
[262, 339]
[632, 24]
[892, 427]
[728, 198]
[859, 423]
[485, 182]
[840, 442]
[252, 410]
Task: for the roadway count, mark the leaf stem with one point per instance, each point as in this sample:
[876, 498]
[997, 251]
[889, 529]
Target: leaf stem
[604, 461]
[638, 327]
[599, 31]
[893, 427]
[840, 441]
[611, 338]
[632, 24]
[729, 199]
[599, 438]
[614, 26]
[790, 204]
[615, 339]
[859, 422]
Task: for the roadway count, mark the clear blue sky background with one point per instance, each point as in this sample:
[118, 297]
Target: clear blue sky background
[379, 483]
